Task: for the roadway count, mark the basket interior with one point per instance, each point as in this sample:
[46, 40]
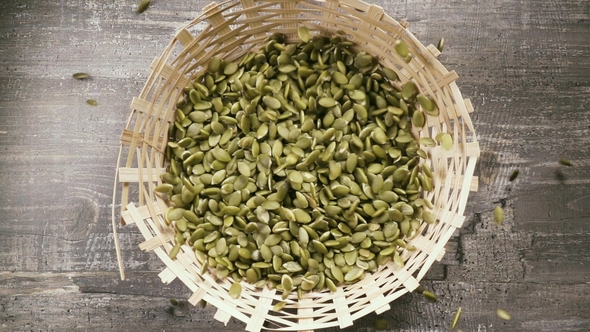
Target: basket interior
[231, 29]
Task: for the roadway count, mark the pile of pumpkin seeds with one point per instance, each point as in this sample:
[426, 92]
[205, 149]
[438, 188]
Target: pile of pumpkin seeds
[295, 167]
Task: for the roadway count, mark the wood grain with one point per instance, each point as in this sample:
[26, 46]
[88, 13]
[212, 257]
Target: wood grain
[524, 65]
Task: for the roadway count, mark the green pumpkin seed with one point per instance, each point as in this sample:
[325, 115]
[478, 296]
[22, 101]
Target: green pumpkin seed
[363, 60]
[498, 215]
[503, 314]
[287, 282]
[446, 140]
[164, 188]
[408, 90]
[327, 102]
[143, 6]
[80, 76]
[213, 65]
[428, 217]
[303, 33]
[513, 175]
[401, 48]
[279, 306]
[92, 102]
[295, 177]
[174, 251]
[235, 290]
[418, 119]
[456, 318]
[230, 68]
[429, 296]
[357, 95]
[337, 273]
[331, 285]
[381, 324]
[271, 102]
[354, 273]
[292, 267]
[390, 74]
[440, 46]
[565, 162]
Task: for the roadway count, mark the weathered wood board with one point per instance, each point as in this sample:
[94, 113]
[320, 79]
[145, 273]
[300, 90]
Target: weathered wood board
[524, 65]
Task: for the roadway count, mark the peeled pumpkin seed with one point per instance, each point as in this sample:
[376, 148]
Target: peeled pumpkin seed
[440, 45]
[92, 102]
[498, 215]
[279, 306]
[303, 33]
[143, 6]
[446, 140]
[565, 162]
[266, 189]
[235, 290]
[418, 118]
[503, 314]
[429, 296]
[174, 251]
[513, 175]
[401, 48]
[381, 324]
[456, 318]
[80, 76]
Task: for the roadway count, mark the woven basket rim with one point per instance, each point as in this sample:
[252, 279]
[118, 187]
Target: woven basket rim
[229, 30]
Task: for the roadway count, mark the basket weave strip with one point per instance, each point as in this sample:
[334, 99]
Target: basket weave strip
[231, 29]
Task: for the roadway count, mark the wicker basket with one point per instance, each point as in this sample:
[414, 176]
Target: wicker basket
[231, 29]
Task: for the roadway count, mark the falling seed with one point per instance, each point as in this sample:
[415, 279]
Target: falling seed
[401, 48]
[279, 306]
[173, 301]
[381, 324]
[419, 289]
[456, 318]
[80, 76]
[303, 33]
[441, 44]
[429, 296]
[565, 162]
[235, 290]
[92, 102]
[143, 6]
[503, 314]
[498, 215]
[514, 175]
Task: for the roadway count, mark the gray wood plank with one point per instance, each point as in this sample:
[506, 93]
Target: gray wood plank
[524, 64]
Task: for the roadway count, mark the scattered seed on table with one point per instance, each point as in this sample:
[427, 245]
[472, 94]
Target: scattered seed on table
[498, 215]
[92, 102]
[514, 175]
[503, 314]
[456, 318]
[441, 44]
[381, 324]
[429, 296]
[80, 76]
[143, 6]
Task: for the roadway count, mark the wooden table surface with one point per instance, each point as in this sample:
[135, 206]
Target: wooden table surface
[524, 64]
